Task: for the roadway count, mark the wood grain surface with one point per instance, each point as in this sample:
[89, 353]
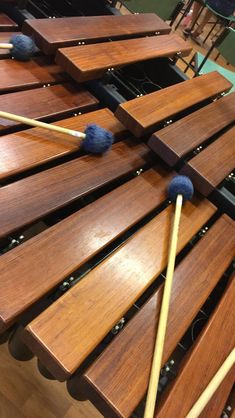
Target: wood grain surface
[6, 23]
[4, 38]
[25, 393]
[217, 403]
[64, 334]
[77, 62]
[207, 356]
[58, 251]
[49, 36]
[43, 103]
[143, 114]
[17, 75]
[212, 165]
[24, 150]
[120, 375]
[58, 186]
[174, 141]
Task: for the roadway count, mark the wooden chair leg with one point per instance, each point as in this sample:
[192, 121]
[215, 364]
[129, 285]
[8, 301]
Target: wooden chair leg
[17, 348]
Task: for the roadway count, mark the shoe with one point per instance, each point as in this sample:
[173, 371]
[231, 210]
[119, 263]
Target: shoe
[187, 31]
[195, 34]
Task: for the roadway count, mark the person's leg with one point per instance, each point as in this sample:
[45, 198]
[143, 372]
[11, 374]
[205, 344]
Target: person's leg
[196, 10]
[203, 23]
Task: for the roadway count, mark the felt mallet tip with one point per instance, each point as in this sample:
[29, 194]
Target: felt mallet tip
[98, 140]
[180, 185]
[23, 47]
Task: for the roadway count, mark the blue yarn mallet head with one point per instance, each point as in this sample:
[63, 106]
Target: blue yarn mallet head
[98, 140]
[180, 185]
[23, 47]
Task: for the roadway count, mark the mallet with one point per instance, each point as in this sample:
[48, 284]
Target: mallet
[95, 139]
[180, 189]
[21, 47]
[212, 386]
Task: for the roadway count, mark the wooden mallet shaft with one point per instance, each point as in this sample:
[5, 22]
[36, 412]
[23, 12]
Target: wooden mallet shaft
[160, 338]
[38, 124]
[6, 46]
[212, 386]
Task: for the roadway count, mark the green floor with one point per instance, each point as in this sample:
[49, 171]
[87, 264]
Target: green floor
[212, 66]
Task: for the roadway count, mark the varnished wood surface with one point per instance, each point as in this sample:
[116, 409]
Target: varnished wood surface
[207, 356]
[58, 251]
[4, 38]
[17, 75]
[6, 23]
[174, 141]
[212, 165]
[58, 186]
[120, 375]
[217, 403]
[143, 114]
[49, 36]
[64, 334]
[44, 103]
[26, 149]
[77, 61]
[24, 393]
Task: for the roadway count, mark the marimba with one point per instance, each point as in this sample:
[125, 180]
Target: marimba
[96, 228]
[49, 37]
[7, 24]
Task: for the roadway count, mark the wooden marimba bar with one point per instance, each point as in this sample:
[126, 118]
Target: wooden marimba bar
[84, 30]
[7, 28]
[97, 227]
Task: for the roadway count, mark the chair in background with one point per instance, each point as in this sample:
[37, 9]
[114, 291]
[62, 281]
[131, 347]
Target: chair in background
[221, 20]
[185, 10]
[225, 45]
[166, 9]
[211, 66]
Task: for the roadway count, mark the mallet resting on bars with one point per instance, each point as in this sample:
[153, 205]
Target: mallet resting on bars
[21, 47]
[215, 382]
[95, 139]
[180, 189]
